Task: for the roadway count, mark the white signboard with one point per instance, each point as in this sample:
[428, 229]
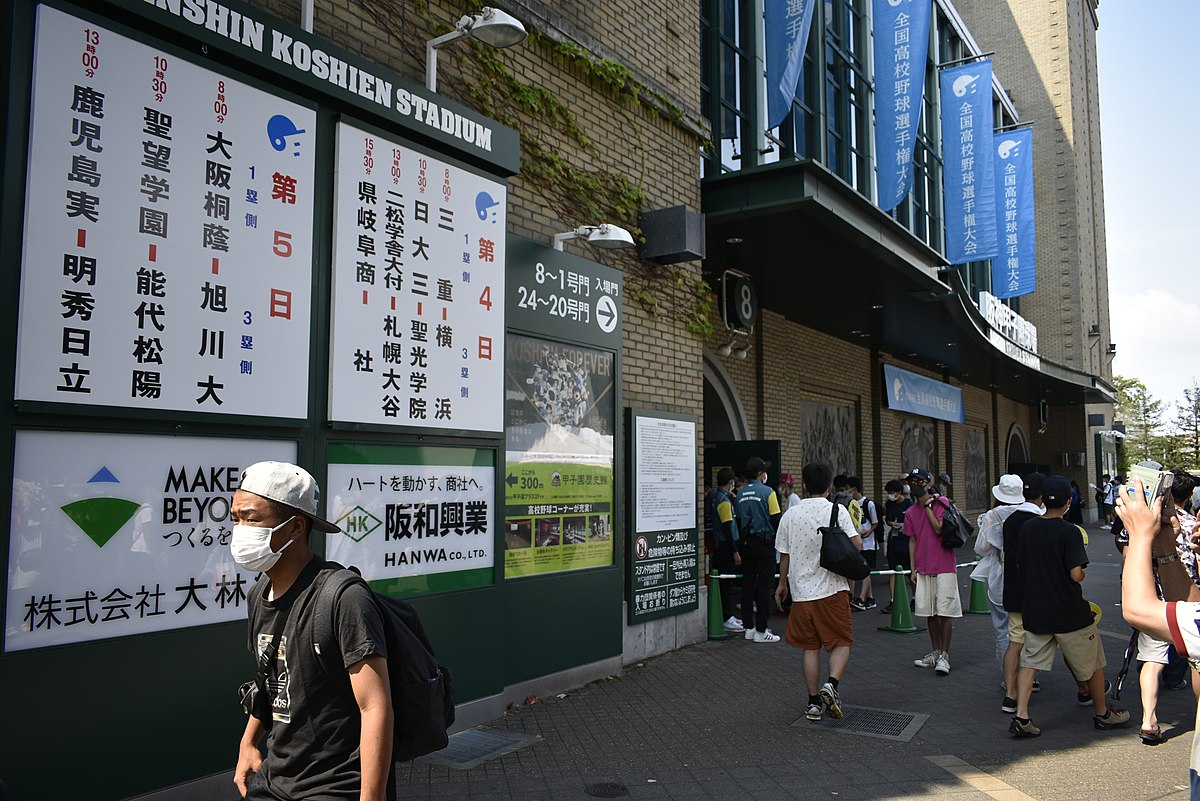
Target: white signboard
[400, 521]
[167, 256]
[665, 474]
[418, 289]
[118, 534]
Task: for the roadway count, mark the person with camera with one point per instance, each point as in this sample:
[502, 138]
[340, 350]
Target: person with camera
[937, 581]
[820, 614]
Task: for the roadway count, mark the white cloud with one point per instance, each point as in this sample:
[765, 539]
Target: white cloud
[1156, 334]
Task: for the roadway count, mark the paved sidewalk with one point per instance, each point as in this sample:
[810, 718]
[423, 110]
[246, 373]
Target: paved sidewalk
[724, 720]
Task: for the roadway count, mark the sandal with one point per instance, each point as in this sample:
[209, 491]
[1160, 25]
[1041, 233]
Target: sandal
[1152, 737]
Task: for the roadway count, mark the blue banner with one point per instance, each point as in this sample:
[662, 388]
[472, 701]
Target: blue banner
[901, 46]
[786, 26]
[968, 181]
[910, 392]
[1013, 271]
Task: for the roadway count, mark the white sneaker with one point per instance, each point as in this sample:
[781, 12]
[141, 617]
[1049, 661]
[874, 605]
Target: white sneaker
[737, 620]
[766, 636]
[750, 633]
[929, 660]
[943, 665]
[734, 625]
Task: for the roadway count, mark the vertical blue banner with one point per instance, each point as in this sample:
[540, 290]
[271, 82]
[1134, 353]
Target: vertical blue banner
[786, 26]
[1014, 270]
[968, 180]
[901, 46]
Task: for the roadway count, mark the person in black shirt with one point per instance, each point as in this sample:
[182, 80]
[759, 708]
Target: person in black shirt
[1050, 558]
[897, 541]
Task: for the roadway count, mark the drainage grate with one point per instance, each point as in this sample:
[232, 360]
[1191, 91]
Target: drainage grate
[476, 746]
[606, 790]
[887, 724]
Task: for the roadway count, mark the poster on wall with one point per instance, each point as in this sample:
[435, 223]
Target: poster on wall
[917, 445]
[558, 484]
[167, 257]
[663, 551]
[975, 493]
[828, 433]
[413, 519]
[418, 289]
[119, 534]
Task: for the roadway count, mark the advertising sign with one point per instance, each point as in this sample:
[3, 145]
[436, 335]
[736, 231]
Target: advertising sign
[911, 392]
[119, 534]
[663, 551]
[413, 519]
[901, 47]
[167, 258]
[968, 180]
[418, 289]
[559, 414]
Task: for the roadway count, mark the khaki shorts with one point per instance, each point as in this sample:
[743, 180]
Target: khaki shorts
[937, 595]
[823, 622]
[1082, 651]
[1151, 649]
[1016, 627]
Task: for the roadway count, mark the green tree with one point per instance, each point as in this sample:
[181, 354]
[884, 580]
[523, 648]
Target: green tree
[1187, 426]
[1142, 414]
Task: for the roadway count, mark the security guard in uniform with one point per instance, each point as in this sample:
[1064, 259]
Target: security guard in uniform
[758, 518]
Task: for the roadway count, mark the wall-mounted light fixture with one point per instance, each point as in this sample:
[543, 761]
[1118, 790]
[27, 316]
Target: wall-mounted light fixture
[605, 235]
[490, 26]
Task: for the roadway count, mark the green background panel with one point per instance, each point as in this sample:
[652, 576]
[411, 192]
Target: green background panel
[369, 453]
[467, 630]
[533, 483]
[434, 582]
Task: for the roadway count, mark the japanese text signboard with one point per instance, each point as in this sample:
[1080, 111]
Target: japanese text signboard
[664, 549]
[558, 485]
[418, 289]
[413, 519]
[1014, 273]
[119, 534]
[901, 47]
[167, 256]
[561, 295]
[968, 179]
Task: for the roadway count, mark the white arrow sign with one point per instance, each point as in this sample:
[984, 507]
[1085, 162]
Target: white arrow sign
[606, 314]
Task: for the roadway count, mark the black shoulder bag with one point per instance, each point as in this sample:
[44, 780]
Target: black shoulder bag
[955, 528]
[838, 554]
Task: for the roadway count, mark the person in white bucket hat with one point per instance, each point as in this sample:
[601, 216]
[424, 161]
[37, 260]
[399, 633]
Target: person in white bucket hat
[1009, 494]
[330, 736]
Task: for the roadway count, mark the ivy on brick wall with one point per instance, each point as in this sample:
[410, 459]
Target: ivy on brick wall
[550, 133]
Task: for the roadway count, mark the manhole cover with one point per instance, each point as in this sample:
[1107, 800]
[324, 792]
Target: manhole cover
[605, 790]
[887, 724]
[476, 746]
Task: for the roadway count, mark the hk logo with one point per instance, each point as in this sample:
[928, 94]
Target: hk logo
[358, 523]
[101, 518]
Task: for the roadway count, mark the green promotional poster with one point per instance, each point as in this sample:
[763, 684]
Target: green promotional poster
[558, 481]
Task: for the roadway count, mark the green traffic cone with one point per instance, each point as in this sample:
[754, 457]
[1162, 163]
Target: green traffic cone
[716, 623]
[979, 599]
[902, 622]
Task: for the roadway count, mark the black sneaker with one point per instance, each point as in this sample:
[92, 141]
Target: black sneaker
[1009, 705]
[1026, 729]
[887, 610]
[1085, 699]
[857, 604]
[870, 604]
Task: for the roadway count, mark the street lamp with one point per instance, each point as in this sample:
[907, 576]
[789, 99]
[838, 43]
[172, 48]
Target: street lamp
[605, 235]
[490, 26]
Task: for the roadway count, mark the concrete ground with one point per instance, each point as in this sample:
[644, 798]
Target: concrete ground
[724, 720]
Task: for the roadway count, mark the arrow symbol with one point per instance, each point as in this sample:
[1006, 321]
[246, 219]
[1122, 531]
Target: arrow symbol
[606, 314]
[510, 480]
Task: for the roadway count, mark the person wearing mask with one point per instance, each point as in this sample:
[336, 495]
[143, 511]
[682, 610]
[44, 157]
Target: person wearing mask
[897, 550]
[788, 497]
[867, 527]
[726, 558]
[758, 516]
[937, 580]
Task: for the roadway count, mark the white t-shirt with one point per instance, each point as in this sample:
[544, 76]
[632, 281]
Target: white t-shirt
[799, 539]
[870, 517]
[793, 501]
[1183, 620]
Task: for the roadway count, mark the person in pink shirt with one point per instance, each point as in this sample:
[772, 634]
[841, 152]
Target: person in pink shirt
[937, 582]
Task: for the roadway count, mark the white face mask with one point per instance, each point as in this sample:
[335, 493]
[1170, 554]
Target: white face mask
[251, 546]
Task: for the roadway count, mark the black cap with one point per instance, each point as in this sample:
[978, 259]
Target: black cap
[755, 466]
[724, 476]
[1035, 483]
[921, 474]
[1056, 492]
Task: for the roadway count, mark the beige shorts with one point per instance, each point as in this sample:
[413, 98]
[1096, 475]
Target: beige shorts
[1016, 627]
[937, 595]
[1151, 649]
[1082, 650]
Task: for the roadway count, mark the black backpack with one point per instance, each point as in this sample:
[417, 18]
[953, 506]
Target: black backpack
[422, 690]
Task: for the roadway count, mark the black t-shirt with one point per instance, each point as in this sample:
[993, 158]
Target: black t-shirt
[1013, 585]
[312, 749]
[1047, 551]
[893, 512]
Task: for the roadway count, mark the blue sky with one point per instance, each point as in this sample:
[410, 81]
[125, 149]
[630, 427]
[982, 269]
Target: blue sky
[1150, 119]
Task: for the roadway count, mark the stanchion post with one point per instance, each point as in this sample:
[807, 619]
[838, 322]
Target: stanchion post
[716, 623]
[902, 622]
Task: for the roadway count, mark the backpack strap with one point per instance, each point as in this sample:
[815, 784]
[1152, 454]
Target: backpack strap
[328, 588]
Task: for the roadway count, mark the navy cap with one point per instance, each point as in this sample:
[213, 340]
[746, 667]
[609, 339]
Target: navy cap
[756, 465]
[1056, 492]
[724, 476]
[920, 474]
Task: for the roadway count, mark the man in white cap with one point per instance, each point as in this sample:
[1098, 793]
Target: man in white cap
[1009, 494]
[330, 736]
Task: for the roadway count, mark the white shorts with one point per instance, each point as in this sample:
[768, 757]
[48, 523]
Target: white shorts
[1151, 649]
[937, 595]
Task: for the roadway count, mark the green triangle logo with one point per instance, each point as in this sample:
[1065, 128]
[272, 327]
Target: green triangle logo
[101, 518]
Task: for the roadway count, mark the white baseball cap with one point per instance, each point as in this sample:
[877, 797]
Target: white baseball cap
[287, 484]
